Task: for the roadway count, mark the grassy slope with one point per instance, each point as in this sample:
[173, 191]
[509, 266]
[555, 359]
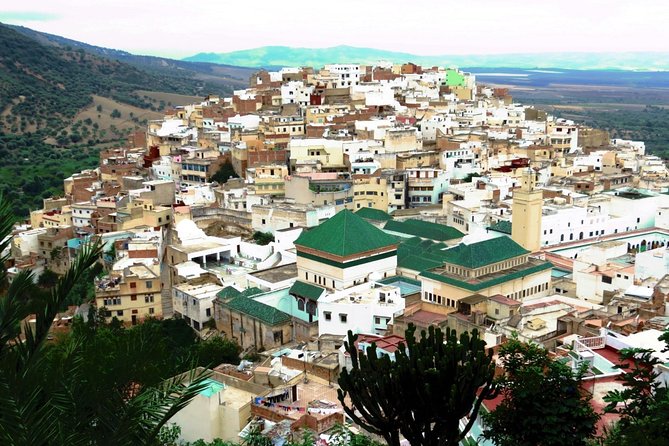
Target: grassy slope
[50, 125]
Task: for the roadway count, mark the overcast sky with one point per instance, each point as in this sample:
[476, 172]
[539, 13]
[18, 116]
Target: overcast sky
[178, 28]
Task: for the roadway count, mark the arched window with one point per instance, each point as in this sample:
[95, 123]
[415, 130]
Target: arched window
[300, 304]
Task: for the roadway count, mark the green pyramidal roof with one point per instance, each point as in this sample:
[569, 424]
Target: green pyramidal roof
[373, 214]
[483, 253]
[345, 234]
[424, 229]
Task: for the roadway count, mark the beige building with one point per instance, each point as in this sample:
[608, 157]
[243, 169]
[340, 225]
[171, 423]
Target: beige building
[370, 192]
[251, 323]
[268, 179]
[526, 213]
[325, 158]
[490, 267]
[277, 217]
[132, 293]
[320, 192]
[220, 410]
[135, 214]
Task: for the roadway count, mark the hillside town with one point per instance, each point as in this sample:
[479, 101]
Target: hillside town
[369, 199]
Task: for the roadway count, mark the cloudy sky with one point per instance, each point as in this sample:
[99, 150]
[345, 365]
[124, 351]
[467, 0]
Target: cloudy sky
[178, 28]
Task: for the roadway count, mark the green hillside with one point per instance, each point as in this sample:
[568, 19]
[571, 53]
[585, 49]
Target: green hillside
[44, 88]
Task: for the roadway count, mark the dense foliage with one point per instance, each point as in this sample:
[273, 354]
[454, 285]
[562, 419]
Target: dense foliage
[423, 393]
[56, 396]
[42, 88]
[543, 402]
[263, 238]
[224, 173]
[643, 404]
[49, 85]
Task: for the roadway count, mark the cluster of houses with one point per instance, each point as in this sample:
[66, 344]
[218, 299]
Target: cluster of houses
[392, 195]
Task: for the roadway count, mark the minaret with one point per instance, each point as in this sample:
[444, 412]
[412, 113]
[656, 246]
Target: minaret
[526, 213]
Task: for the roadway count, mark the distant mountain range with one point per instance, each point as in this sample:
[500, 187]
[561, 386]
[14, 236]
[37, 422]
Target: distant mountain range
[278, 56]
[216, 75]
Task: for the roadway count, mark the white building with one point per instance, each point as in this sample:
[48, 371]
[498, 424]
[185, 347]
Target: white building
[194, 303]
[348, 74]
[361, 309]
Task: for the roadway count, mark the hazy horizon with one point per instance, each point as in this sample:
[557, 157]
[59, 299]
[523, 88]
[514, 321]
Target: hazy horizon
[481, 27]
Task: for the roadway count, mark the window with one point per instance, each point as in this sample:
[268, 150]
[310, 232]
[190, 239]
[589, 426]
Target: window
[149, 284]
[327, 315]
[300, 304]
[133, 297]
[377, 320]
[606, 279]
[133, 285]
[263, 221]
[208, 312]
[343, 318]
[148, 299]
[151, 311]
[119, 313]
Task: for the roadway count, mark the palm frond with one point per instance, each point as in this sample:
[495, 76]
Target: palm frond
[6, 225]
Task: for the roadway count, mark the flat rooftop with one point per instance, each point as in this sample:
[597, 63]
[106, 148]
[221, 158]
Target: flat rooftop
[277, 274]
[423, 317]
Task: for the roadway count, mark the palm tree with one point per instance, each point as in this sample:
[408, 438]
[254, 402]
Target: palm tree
[44, 401]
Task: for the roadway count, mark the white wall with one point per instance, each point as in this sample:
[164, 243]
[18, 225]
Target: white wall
[360, 316]
[654, 263]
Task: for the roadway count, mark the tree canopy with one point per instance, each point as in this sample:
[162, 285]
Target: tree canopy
[423, 393]
[56, 396]
[643, 404]
[543, 402]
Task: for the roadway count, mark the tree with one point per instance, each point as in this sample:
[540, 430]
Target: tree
[263, 238]
[470, 177]
[543, 401]
[47, 396]
[643, 404]
[424, 392]
[47, 279]
[216, 350]
[224, 173]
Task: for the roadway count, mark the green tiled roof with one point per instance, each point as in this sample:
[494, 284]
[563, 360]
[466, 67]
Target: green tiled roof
[483, 253]
[394, 279]
[424, 229]
[419, 255]
[308, 290]
[373, 214]
[477, 286]
[228, 293]
[345, 234]
[417, 263]
[503, 226]
[253, 291]
[258, 310]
